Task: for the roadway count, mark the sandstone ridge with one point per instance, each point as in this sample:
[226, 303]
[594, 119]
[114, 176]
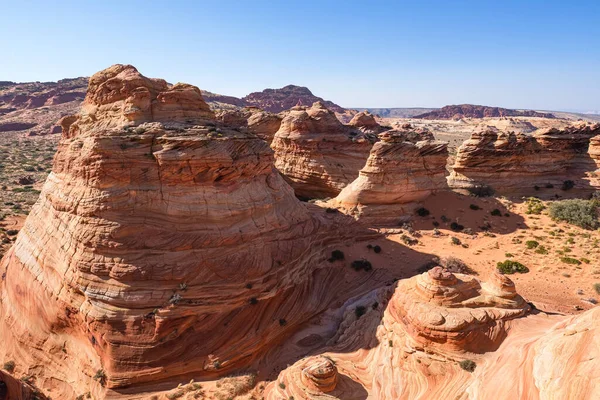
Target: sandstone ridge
[403, 168]
[163, 246]
[318, 154]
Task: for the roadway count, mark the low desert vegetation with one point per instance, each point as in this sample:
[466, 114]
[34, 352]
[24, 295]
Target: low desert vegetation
[568, 185]
[9, 366]
[534, 206]
[570, 260]
[468, 365]
[456, 227]
[541, 250]
[100, 376]
[532, 244]
[359, 311]
[337, 255]
[510, 267]
[582, 213]
[362, 264]
[422, 212]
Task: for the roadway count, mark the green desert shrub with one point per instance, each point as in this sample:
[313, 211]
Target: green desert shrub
[422, 212]
[570, 260]
[532, 244]
[468, 365]
[575, 211]
[541, 250]
[511, 267]
[9, 366]
[534, 206]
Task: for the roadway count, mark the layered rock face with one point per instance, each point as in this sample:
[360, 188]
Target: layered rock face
[516, 163]
[316, 153]
[403, 168]
[411, 342]
[253, 120]
[162, 246]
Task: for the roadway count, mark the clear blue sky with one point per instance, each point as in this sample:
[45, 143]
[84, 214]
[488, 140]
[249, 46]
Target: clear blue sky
[522, 54]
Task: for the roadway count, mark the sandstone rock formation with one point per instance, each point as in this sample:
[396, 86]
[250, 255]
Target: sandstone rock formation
[475, 111]
[254, 120]
[517, 163]
[316, 153]
[163, 246]
[366, 122]
[443, 335]
[12, 388]
[403, 168]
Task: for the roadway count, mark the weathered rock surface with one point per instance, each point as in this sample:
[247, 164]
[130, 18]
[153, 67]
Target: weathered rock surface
[316, 153]
[516, 163]
[410, 343]
[160, 248]
[403, 168]
[475, 111]
[254, 120]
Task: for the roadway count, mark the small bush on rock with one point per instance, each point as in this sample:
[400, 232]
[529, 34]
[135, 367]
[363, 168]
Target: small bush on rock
[468, 365]
[336, 255]
[422, 212]
[362, 263]
[456, 227]
[9, 366]
[359, 311]
[568, 185]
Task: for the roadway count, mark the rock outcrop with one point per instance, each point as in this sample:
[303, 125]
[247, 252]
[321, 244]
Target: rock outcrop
[403, 168]
[12, 388]
[475, 111]
[316, 153]
[366, 122]
[442, 335]
[163, 246]
[253, 120]
[518, 163]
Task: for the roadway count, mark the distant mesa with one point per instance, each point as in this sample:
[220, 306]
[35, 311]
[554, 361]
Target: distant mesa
[475, 111]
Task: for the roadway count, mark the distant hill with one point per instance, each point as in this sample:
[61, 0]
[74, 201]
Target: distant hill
[272, 100]
[35, 107]
[277, 100]
[397, 112]
[476, 111]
